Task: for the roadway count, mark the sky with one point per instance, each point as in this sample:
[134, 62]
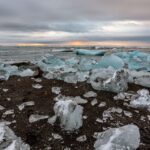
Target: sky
[75, 22]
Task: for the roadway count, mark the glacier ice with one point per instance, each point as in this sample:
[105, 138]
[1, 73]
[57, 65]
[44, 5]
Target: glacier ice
[23, 105]
[35, 117]
[56, 90]
[90, 52]
[9, 141]
[110, 60]
[141, 100]
[118, 82]
[90, 94]
[69, 114]
[123, 138]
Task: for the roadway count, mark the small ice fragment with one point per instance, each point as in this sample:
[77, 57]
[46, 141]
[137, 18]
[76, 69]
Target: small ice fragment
[52, 120]
[148, 116]
[80, 100]
[120, 96]
[37, 80]
[142, 118]
[57, 136]
[127, 113]
[85, 117]
[23, 105]
[94, 102]
[1, 108]
[67, 148]
[5, 90]
[33, 118]
[102, 104]
[99, 120]
[56, 90]
[81, 138]
[123, 138]
[8, 112]
[37, 86]
[90, 94]
[9, 99]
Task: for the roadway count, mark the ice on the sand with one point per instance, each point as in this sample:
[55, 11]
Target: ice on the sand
[26, 73]
[56, 90]
[9, 141]
[141, 100]
[76, 99]
[90, 52]
[81, 138]
[69, 114]
[139, 77]
[86, 64]
[49, 62]
[23, 105]
[116, 83]
[110, 61]
[90, 94]
[35, 117]
[37, 86]
[123, 138]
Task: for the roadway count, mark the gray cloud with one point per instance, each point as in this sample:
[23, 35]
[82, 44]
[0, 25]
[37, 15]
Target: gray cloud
[78, 17]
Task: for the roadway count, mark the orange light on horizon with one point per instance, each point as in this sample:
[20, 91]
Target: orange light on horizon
[31, 44]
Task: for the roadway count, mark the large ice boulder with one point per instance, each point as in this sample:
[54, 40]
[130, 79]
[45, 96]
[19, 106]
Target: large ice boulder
[69, 114]
[123, 138]
[139, 77]
[110, 61]
[50, 62]
[9, 141]
[141, 100]
[115, 83]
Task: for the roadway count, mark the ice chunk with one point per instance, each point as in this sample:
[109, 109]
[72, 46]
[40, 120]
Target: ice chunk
[123, 138]
[90, 94]
[81, 138]
[4, 75]
[50, 62]
[107, 114]
[56, 90]
[141, 100]
[26, 73]
[94, 102]
[117, 83]
[37, 86]
[8, 112]
[69, 114]
[127, 113]
[2, 107]
[110, 60]
[57, 136]
[23, 105]
[34, 118]
[82, 76]
[86, 64]
[79, 100]
[102, 104]
[9, 141]
[90, 52]
[52, 120]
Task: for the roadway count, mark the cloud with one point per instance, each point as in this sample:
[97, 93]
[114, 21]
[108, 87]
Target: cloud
[80, 19]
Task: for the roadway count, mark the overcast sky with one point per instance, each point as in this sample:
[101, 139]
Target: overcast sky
[68, 21]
